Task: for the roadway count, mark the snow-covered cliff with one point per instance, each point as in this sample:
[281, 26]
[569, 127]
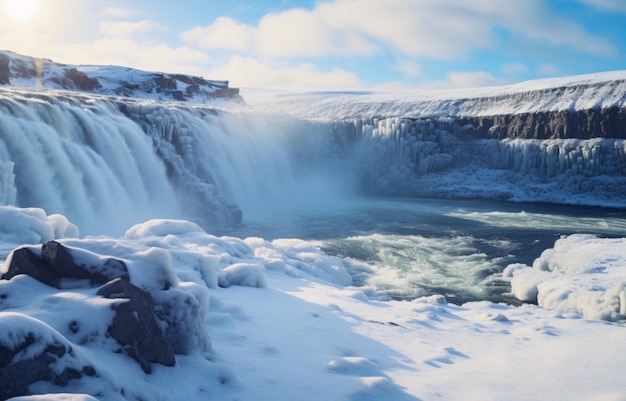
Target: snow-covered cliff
[31, 72]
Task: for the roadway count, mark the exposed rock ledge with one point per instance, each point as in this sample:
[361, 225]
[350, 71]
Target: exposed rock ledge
[581, 124]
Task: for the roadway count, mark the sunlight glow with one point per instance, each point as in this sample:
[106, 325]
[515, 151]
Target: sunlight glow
[22, 11]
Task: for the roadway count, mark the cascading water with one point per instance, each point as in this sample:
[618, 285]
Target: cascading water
[82, 160]
[108, 163]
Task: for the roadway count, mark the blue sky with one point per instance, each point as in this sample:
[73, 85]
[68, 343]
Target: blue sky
[331, 44]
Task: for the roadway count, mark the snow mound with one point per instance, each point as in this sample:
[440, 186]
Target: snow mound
[33, 226]
[583, 274]
[161, 228]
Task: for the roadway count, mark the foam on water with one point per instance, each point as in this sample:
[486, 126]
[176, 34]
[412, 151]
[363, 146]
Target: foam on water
[535, 220]
[411, 266]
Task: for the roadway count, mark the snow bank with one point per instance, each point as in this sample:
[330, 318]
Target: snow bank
[33, 226]
[583, 274]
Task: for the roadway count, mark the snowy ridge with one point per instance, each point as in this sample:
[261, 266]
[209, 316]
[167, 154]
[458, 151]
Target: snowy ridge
[28, 72]
[593, 91]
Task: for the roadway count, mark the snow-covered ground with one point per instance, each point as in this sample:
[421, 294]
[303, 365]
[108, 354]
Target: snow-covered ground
[580, 92]
[285, 323]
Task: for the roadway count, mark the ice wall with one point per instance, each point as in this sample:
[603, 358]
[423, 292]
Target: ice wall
[440, 157]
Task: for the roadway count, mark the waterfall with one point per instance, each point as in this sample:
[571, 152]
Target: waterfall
[7, 184]
[108, 163]
[85, 161]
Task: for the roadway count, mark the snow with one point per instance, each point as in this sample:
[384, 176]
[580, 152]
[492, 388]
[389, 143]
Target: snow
[307, 334]
[35, 226]
[582, 274]
[592, 91]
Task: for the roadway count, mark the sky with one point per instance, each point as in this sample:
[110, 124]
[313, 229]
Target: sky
[330, 44]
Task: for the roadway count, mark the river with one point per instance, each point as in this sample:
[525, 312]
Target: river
[411, 247]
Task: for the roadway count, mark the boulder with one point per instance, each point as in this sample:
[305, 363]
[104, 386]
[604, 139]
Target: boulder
[55, 262]
[135, 326]
[27, 260]
[82, 264]
[30, 351]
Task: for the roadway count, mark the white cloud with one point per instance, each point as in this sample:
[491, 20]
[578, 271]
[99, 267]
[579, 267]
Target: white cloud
[548, 69]
[474, 79]
[300, 32]
[608, 5]
[465, 79]
[126, 29]
[252, 73]
[514, 68]
[224, 33]
[408, 68]
[120, 13]
[439, 29]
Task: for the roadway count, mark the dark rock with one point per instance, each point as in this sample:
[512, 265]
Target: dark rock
[63, 260]
[5, 71]
[581, 124]
[135, 326]
[24, 68]
[47, 354]
[106, 81]
[178, 95]
[164, 83]
[192, 90]
[28, 260]
[80, 80]
[226, 93]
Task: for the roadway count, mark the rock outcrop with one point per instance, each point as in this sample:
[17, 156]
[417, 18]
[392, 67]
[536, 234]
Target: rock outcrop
[31, 351]
[136, 325]
[55, 262]
[28, 71]
[581, 124]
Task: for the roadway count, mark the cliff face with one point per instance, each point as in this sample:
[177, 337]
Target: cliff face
[581, 124]
[24, 71]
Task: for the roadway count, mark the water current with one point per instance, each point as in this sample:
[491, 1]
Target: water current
[411, 247]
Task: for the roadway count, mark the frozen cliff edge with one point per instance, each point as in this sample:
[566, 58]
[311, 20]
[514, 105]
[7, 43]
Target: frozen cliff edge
[556, 140]
[29, 72]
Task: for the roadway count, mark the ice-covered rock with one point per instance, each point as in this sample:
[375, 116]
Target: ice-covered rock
[31, 351]
[135, 326]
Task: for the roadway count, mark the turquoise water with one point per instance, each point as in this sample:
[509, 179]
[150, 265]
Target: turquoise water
[417, 247]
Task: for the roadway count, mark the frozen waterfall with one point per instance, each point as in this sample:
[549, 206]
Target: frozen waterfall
[108, 163]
